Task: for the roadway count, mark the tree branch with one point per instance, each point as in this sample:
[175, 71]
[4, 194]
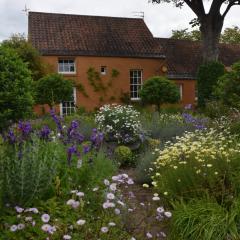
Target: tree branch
[196, 6]
[231, 4]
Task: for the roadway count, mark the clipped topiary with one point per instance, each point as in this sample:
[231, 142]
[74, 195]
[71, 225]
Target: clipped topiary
[159, 90]
[123, 155]
[207, 77]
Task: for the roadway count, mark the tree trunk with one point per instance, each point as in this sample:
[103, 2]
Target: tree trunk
[211, 27]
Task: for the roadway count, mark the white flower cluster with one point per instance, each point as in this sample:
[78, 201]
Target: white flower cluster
[119, 123]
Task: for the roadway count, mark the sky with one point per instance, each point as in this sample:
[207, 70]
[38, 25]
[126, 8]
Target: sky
[160, 18]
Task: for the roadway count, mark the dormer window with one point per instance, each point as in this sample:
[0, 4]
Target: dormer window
[66, 66]
[103, 70]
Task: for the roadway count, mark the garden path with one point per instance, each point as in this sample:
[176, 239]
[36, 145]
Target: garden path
[141, 219]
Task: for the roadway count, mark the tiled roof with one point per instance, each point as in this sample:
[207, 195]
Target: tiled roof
[65, 34]
[184, 56]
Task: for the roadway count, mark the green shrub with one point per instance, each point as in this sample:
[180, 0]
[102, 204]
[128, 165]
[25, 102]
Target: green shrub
[119, 123]
[202, 219]
[145, 165]
[28, 170]
[123, 155]
[53, 89]
[164, 126]
[16, 99]
[228, 87]
[197, 164]
[216, 109]
[159, 90]
[207, 78]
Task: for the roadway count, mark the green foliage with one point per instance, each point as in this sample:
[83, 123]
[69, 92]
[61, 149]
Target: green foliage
[28, 170]
[80, 87]
[144, 164]
[27, 53]
[184, 34]
[203, 219]
[231, 35]
[119, 123]
[16, 99]
[123, 155]
[95, 80]
[207, 77]
[164, 126]
[159, 90]
[53, 89]
[228, 87]
[216, 109]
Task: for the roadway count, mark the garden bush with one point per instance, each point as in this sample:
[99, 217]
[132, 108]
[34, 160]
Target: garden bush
[164, 126]
[228, 87]
[203, 219]
[159, 90]
[53, 89]
[123, 155]
[199, 163]
[16, 92]
[119, 123]
[207, 78]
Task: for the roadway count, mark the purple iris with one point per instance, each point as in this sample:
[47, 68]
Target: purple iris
[72, 150]
[11, 137]
[45, 132]
[86, 149]
[25, 127]
[56, 120]
[96, 138]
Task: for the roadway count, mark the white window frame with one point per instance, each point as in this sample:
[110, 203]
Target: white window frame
[180, 86]
[105, 70]
[68, 64]
[133, 80]
[73, 110]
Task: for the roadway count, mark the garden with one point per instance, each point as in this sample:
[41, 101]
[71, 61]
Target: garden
[124, 171]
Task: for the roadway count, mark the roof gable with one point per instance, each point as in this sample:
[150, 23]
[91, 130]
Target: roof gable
[65, 34]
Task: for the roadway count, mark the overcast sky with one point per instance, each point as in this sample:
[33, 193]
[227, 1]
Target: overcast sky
[161, 19]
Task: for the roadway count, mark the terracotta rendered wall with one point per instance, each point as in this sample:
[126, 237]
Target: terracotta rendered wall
[188, 91]
[150, 67]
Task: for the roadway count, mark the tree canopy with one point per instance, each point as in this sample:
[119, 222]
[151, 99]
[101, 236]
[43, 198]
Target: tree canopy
[27, 53]
[53, 89]
[210, 22]
[159, 90]
[229, 36]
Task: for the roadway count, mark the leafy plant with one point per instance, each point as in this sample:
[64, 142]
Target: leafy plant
[119, 123]
[207, 78]
[202, 219]
[53, 89]
[28, 170]
[228, 88]
[159, 90]
[16, 92]
[123, 155]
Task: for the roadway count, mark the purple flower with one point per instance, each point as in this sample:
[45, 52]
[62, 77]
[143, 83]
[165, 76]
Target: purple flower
[11, 137]
[56, 120]
[25, 128]
[86, 149]
[72, 150]
[44, 132]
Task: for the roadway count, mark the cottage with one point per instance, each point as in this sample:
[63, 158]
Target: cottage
[109, 58]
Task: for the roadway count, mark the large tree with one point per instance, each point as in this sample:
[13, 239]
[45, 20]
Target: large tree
[211, 22]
